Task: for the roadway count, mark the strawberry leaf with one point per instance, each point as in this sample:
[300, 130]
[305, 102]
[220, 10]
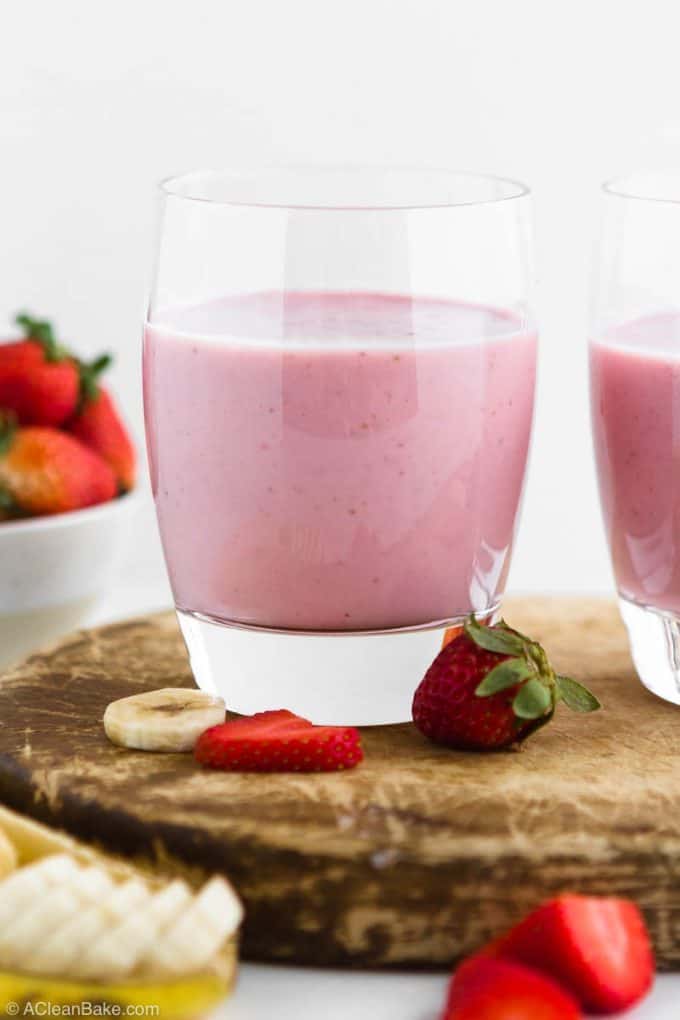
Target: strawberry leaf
[533, 700]
[505, 674]
[41, 331]
[493, 639]
[89, 376]
[6, 500]
[8, 426]
[575, 696]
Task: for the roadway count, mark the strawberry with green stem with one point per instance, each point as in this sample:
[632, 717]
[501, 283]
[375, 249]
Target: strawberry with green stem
[490, 688]
[41, 382]
[45, 384]
[98, 424]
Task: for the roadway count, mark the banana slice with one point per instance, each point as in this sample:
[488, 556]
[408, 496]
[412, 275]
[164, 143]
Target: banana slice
[171, 719]
[8, 856]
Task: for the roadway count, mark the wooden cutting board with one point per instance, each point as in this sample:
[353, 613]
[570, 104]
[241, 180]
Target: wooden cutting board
[412, 859]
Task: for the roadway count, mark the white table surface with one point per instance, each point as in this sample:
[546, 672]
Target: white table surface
[294, 993]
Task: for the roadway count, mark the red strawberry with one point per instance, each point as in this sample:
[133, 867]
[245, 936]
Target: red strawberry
[450, 634]
[44, 471]
[490, 688]
[39, 381]
[278, 742]
[487, 989]
[597, 948]
[98, 425]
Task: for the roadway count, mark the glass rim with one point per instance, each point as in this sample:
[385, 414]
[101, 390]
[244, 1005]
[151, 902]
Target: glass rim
[187, 187]
[645, 186]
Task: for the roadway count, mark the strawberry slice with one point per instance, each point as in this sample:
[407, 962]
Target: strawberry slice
[279, 721]
[278, 742]
[597, 948]
[488, 989]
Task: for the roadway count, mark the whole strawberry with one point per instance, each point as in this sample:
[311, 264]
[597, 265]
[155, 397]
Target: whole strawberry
[45, 471]
[491, 687]
[98, 425]
[39, 381]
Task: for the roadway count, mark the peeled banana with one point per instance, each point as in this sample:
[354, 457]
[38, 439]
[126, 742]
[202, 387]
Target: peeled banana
[78, 925]
[171, 719]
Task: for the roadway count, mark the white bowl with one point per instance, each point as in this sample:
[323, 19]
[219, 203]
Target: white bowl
[53, 570]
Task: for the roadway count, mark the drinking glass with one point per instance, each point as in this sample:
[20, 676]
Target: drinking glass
[635, 399]
[339, 372]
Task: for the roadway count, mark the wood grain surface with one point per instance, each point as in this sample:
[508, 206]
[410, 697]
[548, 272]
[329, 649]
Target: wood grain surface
[410, 860]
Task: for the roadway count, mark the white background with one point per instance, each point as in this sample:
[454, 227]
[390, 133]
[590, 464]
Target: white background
[98, 101]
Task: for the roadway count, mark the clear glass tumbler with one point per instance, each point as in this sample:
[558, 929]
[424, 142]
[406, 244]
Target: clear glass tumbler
[635, 395]
[339, 377]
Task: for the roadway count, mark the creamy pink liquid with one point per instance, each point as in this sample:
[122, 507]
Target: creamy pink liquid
[635, 389]
[337, 461]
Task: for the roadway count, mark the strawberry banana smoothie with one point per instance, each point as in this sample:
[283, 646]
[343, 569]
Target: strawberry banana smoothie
[337, 461]
[635, 373]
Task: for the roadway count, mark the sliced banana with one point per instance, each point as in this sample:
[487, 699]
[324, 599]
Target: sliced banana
[171, 719]
[67, 950]
[33, 901]
[30, 883]
[117, 953]
[57, 955]
[8, 856]
[67, 916]
[44, 917]
[194, 938]
[94, 885]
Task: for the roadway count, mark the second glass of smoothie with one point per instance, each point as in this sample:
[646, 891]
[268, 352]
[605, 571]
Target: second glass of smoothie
[635, 388]
[339, 378]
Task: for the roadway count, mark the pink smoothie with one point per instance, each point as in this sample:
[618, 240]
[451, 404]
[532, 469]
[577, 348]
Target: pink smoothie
[337, 461]
[635, 389]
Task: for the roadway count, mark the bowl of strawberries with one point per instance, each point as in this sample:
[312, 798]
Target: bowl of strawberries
[67, 478]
